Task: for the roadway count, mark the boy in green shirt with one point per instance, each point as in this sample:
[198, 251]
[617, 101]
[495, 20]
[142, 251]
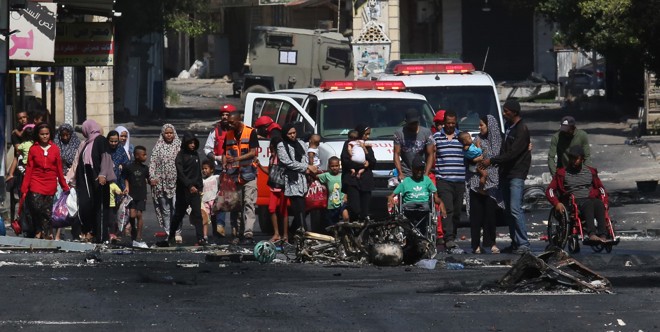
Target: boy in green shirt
[416, 192]
[336, 199]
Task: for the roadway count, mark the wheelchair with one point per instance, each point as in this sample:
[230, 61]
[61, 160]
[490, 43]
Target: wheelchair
[568, 228]
[422, 217]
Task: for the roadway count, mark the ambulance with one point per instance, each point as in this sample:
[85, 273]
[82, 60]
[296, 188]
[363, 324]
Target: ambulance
[451, 86]
[331, 111]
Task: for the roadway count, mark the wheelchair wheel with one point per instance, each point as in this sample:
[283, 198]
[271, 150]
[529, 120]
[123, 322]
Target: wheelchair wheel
[558, 229]
[599, 247]
[608, 248]
[573, 244]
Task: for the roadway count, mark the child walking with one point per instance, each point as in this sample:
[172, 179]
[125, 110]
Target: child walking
[211, 185]
[337, 209]
[189, 187]
[277, 205]
[114, 229]
[136, 180]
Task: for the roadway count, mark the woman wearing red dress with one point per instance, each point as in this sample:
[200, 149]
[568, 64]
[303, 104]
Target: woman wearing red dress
[43, 171]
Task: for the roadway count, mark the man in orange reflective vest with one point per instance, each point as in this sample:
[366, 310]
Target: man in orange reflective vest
[241, 144]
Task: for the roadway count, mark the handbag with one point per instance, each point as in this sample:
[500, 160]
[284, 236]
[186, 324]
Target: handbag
[227, 199]
[276, 179]
[317, 196]
[21, 223]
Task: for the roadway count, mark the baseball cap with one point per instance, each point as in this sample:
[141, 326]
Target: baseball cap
[227, 108]
[412, 115]
[567, 123]
[512, 105]
[575, 151]
[439, 116]
[263, 121]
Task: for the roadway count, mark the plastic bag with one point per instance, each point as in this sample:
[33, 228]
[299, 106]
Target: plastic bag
[72, 203]
[317, 196]
[61, 212]
[227, 199]
[123, 212]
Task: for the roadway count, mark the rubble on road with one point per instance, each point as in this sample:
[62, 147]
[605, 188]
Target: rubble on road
[552, 270]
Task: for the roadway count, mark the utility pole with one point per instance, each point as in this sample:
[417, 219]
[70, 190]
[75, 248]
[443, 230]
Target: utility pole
[4, 64]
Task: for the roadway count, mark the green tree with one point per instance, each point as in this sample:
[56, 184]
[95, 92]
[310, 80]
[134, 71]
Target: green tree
[622, 30]
[192, 17]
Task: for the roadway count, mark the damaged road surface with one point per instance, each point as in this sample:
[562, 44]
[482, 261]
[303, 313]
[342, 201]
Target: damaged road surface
[165, 290]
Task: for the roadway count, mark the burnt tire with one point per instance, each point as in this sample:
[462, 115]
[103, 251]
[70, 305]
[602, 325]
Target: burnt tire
[257, 88]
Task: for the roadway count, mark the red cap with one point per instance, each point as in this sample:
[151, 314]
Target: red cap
[227, 108]
[263, 121]
[439, 116]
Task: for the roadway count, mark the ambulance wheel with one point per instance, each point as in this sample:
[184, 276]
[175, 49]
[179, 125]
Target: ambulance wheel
[254, 88]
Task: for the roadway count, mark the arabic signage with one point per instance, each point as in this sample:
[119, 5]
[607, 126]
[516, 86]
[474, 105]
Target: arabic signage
[273, 2]
[35, 38]
[84, 44]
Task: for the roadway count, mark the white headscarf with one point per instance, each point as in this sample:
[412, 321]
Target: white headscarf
[127, 145]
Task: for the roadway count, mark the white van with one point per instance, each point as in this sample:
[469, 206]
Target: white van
[333, 109]
[454, 87]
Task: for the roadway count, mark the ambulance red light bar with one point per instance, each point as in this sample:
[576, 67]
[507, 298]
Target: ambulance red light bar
[449, 68]
[362, 85]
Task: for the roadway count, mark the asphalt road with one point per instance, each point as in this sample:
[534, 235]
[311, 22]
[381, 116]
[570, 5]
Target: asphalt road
[166, 291]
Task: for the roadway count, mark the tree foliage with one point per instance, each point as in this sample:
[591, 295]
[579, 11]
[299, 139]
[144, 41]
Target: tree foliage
[614, 28]
[192, 17]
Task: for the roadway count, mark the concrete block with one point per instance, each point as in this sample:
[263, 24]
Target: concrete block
[393, 24]
[395, 34]
[14, 241]
[395, 47]
[98, 97]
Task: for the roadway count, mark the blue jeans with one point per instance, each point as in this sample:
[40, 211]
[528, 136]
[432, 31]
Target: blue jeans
[512, 190]
[220, 218]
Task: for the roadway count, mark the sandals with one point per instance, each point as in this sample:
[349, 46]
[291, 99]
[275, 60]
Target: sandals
[494, 250]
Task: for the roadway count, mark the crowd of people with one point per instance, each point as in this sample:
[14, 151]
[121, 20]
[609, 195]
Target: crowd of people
[439, 165]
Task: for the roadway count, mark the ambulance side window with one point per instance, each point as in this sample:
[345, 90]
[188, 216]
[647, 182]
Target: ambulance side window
[270, 108]
[287, 114]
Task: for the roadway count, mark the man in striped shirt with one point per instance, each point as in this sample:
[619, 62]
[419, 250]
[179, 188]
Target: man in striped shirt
[450, 176]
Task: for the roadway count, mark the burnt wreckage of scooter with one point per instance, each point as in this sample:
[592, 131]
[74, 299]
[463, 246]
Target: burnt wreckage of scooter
[388, 242]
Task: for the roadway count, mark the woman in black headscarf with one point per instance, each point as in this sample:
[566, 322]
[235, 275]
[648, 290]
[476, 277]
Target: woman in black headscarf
[358, 188]
[291, 155]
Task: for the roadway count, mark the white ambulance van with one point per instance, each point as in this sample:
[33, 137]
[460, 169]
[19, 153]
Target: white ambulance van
[454, 87]
[332, 110]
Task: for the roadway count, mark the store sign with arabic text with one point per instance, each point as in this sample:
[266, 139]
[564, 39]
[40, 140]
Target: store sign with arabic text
[34, 36]
[84, 44]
